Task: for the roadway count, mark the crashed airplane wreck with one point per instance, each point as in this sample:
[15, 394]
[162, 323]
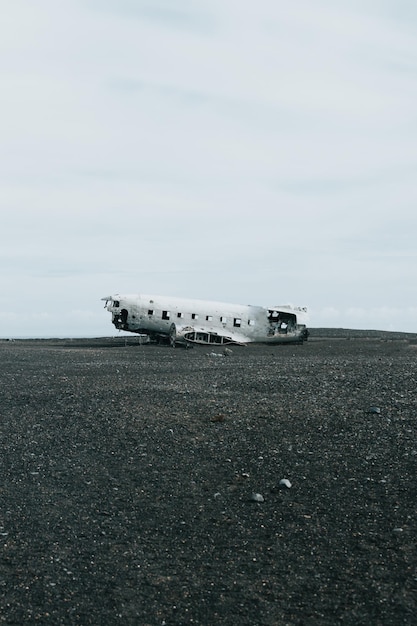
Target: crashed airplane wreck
[186, 321]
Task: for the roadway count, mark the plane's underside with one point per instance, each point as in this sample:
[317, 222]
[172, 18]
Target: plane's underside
[187, 321]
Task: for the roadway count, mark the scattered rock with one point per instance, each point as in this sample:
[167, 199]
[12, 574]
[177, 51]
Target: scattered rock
[257, 497]
[284, 482]
[375, 410]
[218, 418]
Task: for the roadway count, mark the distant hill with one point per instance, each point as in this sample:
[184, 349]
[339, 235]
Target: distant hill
[346, 333]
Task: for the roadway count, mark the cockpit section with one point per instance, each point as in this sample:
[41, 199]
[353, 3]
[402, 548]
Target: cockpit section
[119, 315]
[120, 319]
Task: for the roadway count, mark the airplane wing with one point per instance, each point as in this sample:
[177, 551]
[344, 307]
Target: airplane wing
[208, 336]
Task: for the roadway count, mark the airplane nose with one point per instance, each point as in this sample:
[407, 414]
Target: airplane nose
[120, 319]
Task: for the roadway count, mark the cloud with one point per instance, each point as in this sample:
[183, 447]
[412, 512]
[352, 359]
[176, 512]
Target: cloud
[221, 149]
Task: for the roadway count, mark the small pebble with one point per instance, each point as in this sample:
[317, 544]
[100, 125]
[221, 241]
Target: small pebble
[374, 409]
[284, 482]
[257, 497]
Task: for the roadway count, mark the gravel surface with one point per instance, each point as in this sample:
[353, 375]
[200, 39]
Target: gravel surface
[148, 485]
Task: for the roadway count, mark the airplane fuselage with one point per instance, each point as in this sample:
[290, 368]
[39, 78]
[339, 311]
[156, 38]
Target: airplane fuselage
[205, 322]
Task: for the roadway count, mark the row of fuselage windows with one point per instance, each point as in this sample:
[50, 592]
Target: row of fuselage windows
[237, 321]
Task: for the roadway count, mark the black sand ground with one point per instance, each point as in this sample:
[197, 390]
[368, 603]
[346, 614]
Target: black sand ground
[128, 473]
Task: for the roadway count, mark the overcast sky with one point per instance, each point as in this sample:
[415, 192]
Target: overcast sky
[253, 152]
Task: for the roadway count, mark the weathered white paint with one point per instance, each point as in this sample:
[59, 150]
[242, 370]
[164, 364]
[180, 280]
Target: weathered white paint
[206, 322]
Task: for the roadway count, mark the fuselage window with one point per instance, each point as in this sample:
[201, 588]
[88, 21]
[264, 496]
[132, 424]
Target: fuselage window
[237, 322]
[150, 311]
[209, 318]
[165, 315]
[181, 315]
[194, 316]
[116, 303]
[223, 319]
[251, 322]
